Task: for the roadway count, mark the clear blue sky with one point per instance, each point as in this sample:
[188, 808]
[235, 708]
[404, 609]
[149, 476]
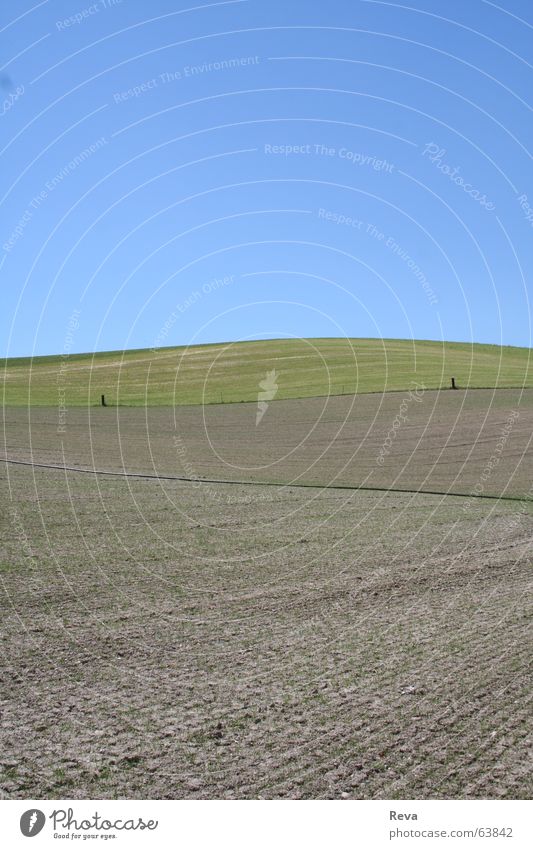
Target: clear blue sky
[340, 168]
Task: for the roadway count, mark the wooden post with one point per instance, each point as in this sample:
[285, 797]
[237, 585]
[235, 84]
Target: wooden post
[453, 383]
[103, 401]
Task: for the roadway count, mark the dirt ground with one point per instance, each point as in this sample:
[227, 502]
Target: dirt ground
[163, 639]
[463, 442]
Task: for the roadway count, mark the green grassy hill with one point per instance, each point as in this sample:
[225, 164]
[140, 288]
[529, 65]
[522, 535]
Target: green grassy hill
[233, 371]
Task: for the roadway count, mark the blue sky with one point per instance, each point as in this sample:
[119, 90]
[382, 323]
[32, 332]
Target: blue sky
[180, 172]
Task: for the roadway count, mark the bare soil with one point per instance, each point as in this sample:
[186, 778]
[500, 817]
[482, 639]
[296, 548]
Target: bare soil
[165, 639]
[463, 442]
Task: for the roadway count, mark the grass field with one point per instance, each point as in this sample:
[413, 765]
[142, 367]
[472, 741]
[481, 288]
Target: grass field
[233, 371]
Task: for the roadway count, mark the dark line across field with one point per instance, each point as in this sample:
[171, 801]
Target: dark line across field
[146, 476]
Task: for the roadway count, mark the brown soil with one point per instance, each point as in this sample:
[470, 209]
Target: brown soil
[463, 442]
[164, 639]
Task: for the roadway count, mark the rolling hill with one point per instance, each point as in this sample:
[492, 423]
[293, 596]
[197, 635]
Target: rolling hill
[234, 371]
